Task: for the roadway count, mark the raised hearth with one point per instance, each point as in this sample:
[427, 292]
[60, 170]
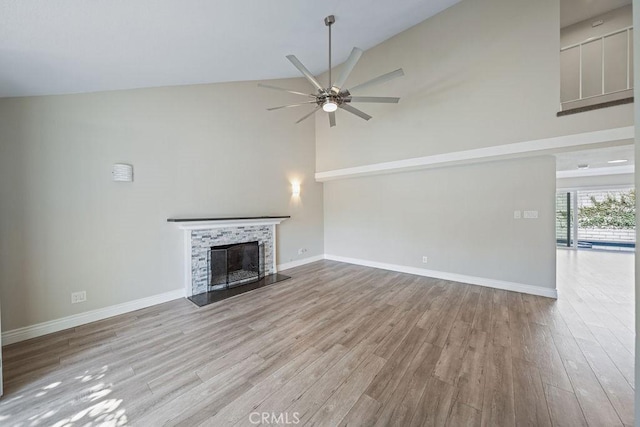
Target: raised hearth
[214, 296]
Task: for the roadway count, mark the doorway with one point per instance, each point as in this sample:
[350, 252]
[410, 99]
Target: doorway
[599, 219]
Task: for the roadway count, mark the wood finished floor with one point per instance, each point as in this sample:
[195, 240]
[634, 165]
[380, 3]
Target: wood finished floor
[346, 345]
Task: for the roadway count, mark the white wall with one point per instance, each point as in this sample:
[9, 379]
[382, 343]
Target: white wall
[196, 150]
[461, 218]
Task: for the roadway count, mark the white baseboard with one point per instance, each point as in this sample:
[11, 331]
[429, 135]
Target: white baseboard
[298, 263]
[39, 329]
[33, 331]
[454, 277]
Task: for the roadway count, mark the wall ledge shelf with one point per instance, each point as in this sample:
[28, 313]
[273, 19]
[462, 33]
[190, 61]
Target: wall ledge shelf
[536, 147]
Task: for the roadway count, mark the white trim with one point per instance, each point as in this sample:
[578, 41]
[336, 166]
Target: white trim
[39, 329]
[298, 263]
[535, 147]
[188, 279]
[275, 248]
[609, 170]
[207, 225]
[454, 277]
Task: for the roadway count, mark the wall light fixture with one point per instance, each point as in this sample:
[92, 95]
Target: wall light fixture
[295, 189]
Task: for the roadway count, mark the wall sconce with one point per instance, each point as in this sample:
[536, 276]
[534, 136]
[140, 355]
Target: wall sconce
[122, 172]
[295, 189]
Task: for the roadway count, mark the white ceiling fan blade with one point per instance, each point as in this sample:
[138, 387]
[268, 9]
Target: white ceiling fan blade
[291, 105]
[380, 79]
[296, 63]
[310, 114]
[347, 68]
[355, 111]
[285, 90]
[332, 119]
[381, 99]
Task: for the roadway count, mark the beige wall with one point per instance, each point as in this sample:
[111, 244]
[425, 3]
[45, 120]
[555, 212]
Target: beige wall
[482, 73]
[196, 150]
[615, 46]
[461, 218]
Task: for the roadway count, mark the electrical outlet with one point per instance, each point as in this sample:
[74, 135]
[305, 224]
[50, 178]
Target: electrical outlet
[424, 259]
[301, 251]
[530, 214]
[77, 297]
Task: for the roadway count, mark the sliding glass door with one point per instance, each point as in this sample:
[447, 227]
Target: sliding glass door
[600, 218]
[565, 219]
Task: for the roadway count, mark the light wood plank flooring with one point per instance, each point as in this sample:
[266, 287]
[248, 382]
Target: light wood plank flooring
[346, 345]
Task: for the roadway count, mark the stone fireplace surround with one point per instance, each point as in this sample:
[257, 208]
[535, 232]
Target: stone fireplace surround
[202, 233]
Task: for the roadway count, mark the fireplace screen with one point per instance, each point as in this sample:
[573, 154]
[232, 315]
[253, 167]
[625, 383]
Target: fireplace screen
[233, 265]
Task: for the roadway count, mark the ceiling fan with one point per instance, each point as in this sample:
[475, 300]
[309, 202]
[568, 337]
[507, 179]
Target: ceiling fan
[336, 95]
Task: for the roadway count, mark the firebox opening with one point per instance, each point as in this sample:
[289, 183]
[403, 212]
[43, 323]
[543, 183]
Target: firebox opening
[233, 265]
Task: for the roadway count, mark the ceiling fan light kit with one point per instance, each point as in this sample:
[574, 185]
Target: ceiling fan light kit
[329, 106]
[335, 95]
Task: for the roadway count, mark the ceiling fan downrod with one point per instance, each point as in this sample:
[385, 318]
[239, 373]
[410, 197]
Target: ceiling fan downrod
[329, 21]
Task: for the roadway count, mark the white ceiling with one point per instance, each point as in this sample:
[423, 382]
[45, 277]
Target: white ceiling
[71, 46]
[574, 11]
[596, 158]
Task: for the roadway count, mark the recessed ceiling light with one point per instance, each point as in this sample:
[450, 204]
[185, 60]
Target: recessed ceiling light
[618, 161]
[583, 166]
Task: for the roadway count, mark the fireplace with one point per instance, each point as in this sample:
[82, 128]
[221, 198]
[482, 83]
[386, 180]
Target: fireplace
[201, 234]
[234, 264]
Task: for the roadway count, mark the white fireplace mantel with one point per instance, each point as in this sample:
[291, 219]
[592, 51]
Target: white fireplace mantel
[191, 224]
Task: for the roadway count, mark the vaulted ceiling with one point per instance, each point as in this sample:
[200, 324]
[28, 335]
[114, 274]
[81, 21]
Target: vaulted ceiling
[72, 46]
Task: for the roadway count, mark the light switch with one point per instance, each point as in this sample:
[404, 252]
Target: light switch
[517, 215]
[531, 214]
